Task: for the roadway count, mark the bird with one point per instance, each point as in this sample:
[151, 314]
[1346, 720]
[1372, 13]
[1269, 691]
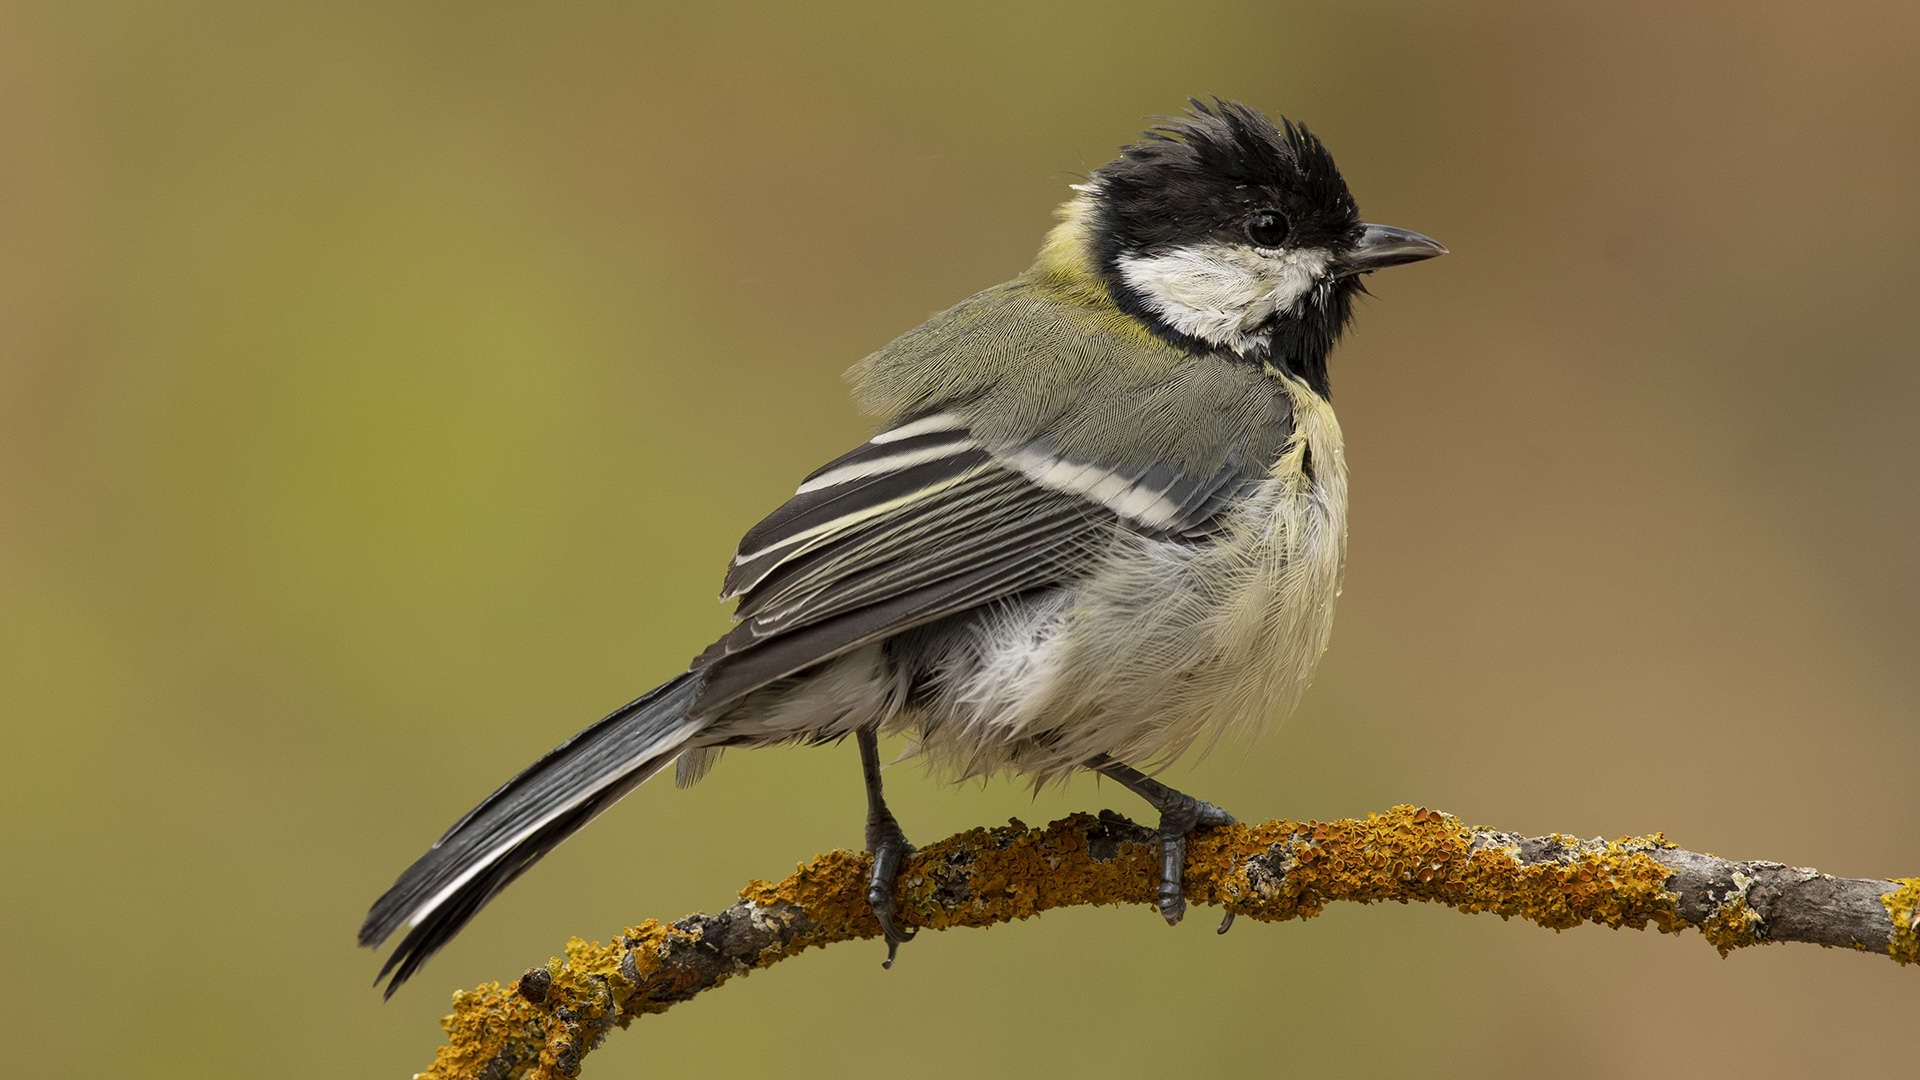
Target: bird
[1103, 516]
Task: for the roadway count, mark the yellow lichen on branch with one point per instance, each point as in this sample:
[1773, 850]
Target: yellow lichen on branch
[1412, 854]
[1269, 872]
[1903, 909]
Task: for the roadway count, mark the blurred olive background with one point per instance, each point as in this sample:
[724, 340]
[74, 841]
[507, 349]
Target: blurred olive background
[382, 387]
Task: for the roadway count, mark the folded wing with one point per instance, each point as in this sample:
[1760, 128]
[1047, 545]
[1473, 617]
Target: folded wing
[923, 522]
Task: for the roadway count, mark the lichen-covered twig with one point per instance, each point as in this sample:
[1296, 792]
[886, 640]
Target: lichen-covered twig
[544, 1024]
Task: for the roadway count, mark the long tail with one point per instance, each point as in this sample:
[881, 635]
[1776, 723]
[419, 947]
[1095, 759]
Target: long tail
[529, 816]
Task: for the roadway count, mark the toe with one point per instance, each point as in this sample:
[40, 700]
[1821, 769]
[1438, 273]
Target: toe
[1213, 815]
[1173, 905]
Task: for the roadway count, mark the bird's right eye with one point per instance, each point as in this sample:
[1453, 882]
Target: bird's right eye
[1267, 228]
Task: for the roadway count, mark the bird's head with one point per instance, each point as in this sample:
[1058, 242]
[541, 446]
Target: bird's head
[1223, 231]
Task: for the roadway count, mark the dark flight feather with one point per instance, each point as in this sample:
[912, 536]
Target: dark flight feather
[526, 818]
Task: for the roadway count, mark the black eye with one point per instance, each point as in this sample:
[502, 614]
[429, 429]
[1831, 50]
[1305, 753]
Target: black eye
[1267, 228]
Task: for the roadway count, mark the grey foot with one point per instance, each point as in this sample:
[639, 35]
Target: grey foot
[1180, 814]
[889, 846]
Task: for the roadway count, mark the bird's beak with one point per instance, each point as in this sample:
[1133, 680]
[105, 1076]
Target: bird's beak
[1381, 246]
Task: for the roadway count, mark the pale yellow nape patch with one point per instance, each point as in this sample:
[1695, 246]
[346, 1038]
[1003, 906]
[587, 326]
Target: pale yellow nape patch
[1066, 259]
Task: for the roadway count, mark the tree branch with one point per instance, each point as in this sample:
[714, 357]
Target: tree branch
[1270, 872]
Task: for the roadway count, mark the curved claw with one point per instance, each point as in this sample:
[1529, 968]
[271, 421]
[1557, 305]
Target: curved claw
[881, 901]
[1226, 924]
[896, 937]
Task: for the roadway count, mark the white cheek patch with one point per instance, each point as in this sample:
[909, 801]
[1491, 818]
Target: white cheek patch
[1220, 293]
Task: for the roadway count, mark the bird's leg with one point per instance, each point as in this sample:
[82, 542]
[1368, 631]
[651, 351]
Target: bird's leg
[1180, 814]
[886, 841]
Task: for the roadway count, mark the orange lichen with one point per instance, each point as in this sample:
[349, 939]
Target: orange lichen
[1903, 907]
[1271, 872]
[1412, 853]
[831, 890]
[487, 1023]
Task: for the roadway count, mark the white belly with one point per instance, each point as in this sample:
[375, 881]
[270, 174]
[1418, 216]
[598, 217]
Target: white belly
[1167, 641]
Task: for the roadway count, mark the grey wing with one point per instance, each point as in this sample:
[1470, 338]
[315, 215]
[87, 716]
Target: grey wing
[921, 523]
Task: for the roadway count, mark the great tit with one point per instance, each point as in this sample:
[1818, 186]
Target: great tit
[1104, 516]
